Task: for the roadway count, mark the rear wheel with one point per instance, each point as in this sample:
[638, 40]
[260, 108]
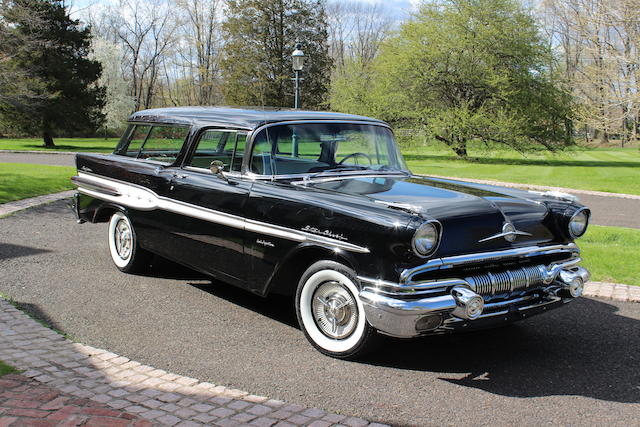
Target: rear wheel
[330, 312]
[125, 251]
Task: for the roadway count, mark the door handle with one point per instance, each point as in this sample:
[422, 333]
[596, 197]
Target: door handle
[179, 176]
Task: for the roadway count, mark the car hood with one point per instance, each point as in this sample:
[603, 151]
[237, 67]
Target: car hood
[466, 211]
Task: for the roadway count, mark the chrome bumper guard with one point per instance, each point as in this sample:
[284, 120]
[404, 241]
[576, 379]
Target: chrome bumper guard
[411, 309]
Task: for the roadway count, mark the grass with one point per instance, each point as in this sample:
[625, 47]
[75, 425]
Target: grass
[93, 145]
[610, 169]
[21, 180]
[612, 254]
[6, 369]
[615, 170]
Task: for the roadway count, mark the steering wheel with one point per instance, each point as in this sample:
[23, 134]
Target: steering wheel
[357, 154]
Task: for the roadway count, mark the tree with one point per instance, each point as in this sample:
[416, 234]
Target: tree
[357, 31]
[118, 103]
[260, 37]
[600, 41]
[467, 70]
[147, 34]
[18, 87]
[66, 95]
[201, 35]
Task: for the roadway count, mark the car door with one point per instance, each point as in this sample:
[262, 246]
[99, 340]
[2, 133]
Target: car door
[209, 225]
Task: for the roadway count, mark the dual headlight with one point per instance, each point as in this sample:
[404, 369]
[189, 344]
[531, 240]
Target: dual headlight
[426, 238]
[578, 223]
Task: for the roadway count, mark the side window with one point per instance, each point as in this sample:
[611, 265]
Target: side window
[226, 146]
[164, 143]
[261, 158]
[131, 143]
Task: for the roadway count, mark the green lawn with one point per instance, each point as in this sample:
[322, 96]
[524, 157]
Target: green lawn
[6, 369]
[94, 145]
[612, 254]
[21, 180]
[615, 170]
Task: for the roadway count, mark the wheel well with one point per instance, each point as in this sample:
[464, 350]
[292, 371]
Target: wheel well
[104, 213]
[285, 280]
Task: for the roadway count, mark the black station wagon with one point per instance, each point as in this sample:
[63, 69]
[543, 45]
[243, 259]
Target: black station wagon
[321, 207]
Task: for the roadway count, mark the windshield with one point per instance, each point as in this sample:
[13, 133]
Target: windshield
[325, 148]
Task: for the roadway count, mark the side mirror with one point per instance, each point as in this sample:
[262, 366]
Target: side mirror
[217, 168]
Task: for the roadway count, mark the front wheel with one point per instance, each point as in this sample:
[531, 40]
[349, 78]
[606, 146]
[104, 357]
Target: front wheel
[330, 312]
[125, 251]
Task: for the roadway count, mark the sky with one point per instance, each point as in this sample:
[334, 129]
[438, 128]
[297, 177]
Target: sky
[399, 8]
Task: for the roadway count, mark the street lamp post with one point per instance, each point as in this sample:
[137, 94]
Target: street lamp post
[297, 60]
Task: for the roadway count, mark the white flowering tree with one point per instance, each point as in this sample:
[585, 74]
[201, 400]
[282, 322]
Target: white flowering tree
[119, 103]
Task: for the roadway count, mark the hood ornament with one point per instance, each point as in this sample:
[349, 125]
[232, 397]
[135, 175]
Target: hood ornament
[509, 233]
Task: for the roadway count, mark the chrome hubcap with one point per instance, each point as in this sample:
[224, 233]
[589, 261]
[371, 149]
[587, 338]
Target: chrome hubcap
[335, 310]
[123, 239]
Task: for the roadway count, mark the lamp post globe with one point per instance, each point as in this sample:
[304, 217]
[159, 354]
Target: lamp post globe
[297, 62]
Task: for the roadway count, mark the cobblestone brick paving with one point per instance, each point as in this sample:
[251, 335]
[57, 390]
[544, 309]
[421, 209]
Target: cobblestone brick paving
[612, 291]
[80, 371]
[24, 401]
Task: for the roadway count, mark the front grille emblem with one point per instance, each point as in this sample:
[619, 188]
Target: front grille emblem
[509, 233]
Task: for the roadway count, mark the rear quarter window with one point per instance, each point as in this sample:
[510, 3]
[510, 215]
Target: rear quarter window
[156, 143]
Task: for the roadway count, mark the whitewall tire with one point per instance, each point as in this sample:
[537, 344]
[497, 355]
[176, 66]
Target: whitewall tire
[330, 312]
[125, 251]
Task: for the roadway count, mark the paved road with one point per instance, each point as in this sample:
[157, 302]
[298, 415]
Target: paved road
[577, 366]
[66, 159]
[612, 210]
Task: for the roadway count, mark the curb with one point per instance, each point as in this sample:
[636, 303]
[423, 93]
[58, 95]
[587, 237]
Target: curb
[612, 291]
[539, 187]
[18, 205]
[69, 153]
[141, 390]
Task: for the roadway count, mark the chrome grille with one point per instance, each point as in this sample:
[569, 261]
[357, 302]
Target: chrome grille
[507, 281]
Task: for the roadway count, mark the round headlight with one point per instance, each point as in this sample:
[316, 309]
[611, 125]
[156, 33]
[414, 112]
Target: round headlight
[578, 223]
[425, 240]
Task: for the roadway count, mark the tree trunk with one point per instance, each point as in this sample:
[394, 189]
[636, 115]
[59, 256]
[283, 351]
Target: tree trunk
[48, 139]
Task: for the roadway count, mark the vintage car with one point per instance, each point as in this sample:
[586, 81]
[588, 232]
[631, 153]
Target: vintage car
[321, 207]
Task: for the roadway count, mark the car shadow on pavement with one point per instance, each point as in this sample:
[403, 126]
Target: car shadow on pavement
[8, 251]
[587, 349]
[277, 307]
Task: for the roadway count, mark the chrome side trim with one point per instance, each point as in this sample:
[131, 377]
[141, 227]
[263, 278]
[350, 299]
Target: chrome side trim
[459, 260]
[106, 189]
[141, 198]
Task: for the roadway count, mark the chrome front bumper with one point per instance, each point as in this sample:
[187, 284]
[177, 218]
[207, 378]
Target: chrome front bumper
[430, 307]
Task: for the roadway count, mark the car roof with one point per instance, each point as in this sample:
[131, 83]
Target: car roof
[238, 117]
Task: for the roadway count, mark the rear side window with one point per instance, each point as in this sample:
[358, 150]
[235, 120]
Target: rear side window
[163, 143]
[226, 146]
[132, 141]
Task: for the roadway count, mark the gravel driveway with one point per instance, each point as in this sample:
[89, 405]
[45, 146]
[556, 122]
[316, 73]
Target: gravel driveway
[577, 366]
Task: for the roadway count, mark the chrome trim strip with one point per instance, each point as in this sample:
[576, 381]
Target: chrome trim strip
[108, 190]
[458, 260]
[309, 178]
[141, 198]
[504, 234]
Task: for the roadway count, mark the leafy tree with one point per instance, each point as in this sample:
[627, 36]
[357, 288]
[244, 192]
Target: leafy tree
[66, 97]
[260, 37]
[465, 70]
